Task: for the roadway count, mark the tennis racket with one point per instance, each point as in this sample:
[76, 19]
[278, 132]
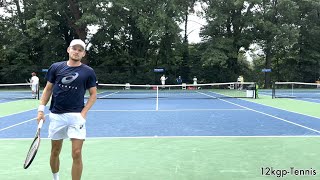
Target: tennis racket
[28, 81]
[33, 148]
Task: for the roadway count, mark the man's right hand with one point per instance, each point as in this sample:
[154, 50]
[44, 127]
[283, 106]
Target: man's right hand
[40, 116]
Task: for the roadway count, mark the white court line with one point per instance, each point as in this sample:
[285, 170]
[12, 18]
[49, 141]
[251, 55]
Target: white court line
[286, 109]
[107, 94]
[23, 122]
[281, 119]
[165, 110]
[245, 108]
[265, 94]
[179, 137]
[312, 100]
[174, 137]
[87, 96]
[17, 113]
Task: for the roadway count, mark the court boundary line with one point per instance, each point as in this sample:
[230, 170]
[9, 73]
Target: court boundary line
[266, 114]
[164, 110]
[17, 124]
[296, 99]
[13, 100]
[107, 94]
[285, 109]
[244, 108]
[309, 99]
[17, 113]
[173, 137]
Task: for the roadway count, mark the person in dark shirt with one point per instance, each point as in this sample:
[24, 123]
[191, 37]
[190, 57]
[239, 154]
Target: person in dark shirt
[67, 82]
[179, 80]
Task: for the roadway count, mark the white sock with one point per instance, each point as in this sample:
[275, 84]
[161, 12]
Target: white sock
[56, 176]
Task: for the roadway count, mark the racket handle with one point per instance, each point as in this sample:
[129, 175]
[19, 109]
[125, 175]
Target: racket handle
[40, 124]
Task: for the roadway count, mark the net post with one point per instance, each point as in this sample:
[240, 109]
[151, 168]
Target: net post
[127, 86]
[157, 99]
[273, 90]
[184, 86]
[256, 91]
[38, 91]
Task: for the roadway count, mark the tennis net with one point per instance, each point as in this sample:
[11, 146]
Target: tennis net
[183, 91]
[17, 91]
[295, 90]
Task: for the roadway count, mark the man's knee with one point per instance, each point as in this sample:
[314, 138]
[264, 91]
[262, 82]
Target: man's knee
[55, 152]
[76, 154]
[56, 148]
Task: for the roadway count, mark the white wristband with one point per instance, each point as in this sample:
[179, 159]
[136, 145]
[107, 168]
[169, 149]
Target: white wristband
[41, 108]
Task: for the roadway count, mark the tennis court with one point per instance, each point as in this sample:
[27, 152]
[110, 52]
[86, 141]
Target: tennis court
[172, 137]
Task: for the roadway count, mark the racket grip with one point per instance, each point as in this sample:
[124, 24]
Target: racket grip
[40, 124]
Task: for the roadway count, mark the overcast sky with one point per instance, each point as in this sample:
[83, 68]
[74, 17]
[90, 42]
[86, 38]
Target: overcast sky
[194, 25]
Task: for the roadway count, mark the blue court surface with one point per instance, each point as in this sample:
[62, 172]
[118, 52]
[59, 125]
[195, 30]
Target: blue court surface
[176, 117]
[168, 138]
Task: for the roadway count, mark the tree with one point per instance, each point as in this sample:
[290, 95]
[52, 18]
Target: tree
[307, 61]
[228, 30]
[276, 33]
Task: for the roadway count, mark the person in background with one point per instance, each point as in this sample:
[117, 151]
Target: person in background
[179, 80]
[240, 81]
[67, 83]
[34, 81]
[195, 80]
[163, 79]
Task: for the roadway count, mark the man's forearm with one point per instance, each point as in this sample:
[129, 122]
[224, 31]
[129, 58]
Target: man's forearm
[44, 100]
[45, 96]
[92, 99]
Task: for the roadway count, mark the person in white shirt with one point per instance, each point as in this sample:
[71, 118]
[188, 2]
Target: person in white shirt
[163, 79]
[195, 80]
[34, 81]
[240, 81]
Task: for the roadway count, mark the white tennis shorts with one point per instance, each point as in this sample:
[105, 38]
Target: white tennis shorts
[34, 87]
[67, 125]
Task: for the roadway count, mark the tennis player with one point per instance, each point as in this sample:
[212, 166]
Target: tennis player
[163, 79]
[67, 83]
[195, 80]
[34, 84]
[179, 80]
[240, 81]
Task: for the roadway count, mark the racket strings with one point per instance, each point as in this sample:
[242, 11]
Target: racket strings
[32, 151]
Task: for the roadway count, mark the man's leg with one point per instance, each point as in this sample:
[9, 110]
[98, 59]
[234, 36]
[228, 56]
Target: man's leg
[77, 158]
[33, 91]
[56, 146]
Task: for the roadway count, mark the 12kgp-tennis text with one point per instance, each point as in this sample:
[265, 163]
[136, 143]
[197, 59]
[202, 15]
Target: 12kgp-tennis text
[292, 171]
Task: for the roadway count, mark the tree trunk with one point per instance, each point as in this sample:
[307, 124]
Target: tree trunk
[77, 14]
[184, 70]
[81, 30]
[267, 78]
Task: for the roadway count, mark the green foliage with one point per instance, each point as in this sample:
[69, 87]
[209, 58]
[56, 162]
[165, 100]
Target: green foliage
[134, 37]
[228, 30]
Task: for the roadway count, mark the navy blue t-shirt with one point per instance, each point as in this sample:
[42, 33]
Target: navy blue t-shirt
[69, 86]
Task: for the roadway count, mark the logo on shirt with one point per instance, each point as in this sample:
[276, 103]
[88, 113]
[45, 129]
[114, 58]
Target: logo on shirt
[70, 78]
